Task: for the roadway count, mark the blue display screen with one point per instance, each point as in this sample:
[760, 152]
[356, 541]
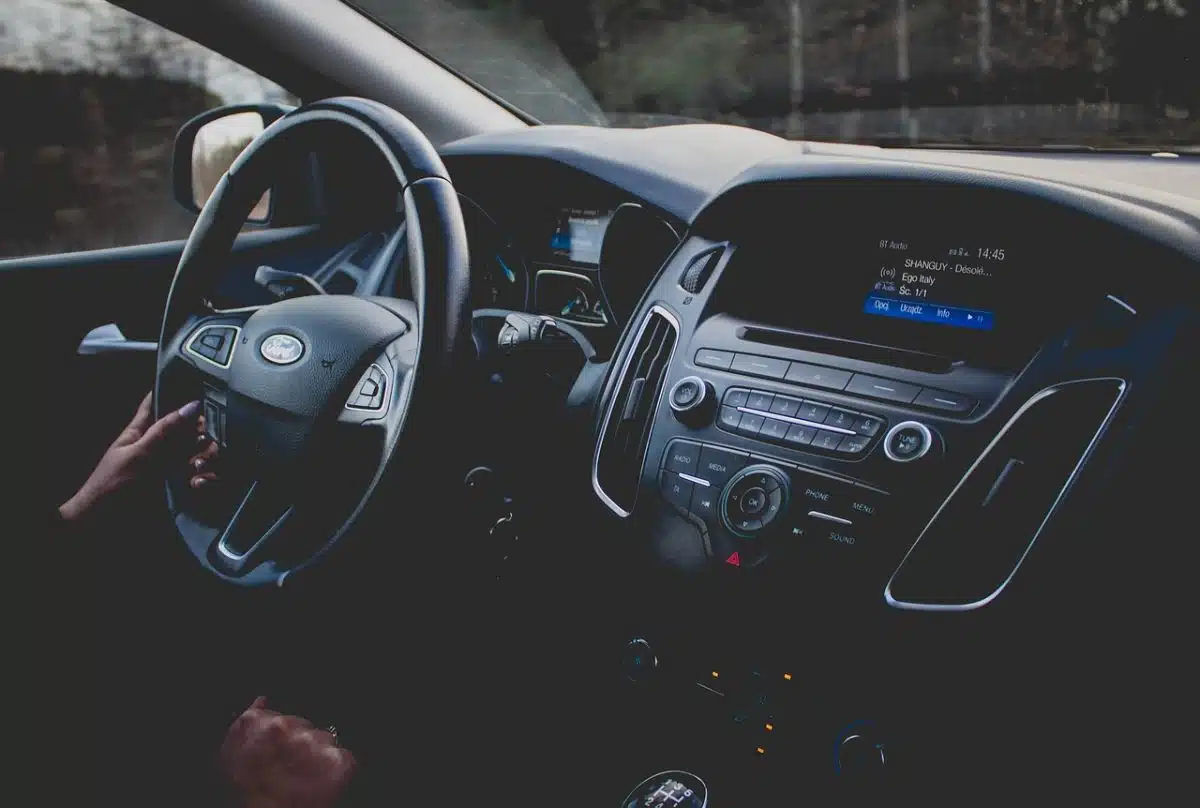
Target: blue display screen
[923, 312]
[937, 282]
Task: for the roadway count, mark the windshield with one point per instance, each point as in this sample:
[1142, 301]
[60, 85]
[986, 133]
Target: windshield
[1101, 73]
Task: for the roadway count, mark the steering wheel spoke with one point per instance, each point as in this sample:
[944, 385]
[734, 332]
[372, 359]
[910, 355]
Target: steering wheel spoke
[258, 525]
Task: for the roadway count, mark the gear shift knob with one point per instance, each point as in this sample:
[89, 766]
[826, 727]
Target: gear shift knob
[669, 789]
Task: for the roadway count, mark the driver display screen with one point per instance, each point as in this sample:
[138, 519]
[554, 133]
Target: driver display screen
[579, 234]
[937, 281]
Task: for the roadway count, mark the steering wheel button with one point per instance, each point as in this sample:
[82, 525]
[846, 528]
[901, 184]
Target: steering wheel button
[213, 339]
[369, 387]
[212, 422]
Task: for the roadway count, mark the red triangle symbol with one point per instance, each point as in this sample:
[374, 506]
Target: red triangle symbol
[734, 559]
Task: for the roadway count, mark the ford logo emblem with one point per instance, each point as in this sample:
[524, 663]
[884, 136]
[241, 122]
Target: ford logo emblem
[281, 349]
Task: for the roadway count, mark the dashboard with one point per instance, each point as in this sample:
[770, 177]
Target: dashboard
[881, 446]
[878, 430]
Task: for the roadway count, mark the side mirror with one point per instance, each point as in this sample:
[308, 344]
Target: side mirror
[207, 145]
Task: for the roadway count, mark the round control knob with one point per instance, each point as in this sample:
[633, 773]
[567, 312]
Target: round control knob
[907, 441]
[693, 400]
[754, 498]
[638, 661]
[861, 754]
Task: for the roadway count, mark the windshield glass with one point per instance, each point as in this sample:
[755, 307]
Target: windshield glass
[1103, 73]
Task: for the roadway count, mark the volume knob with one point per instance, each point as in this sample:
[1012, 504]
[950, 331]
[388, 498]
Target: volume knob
[692, 400]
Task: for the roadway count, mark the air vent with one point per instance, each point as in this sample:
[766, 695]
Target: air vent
[701, 269]
[625, 431]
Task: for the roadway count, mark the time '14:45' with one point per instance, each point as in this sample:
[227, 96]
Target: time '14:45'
[991, 253]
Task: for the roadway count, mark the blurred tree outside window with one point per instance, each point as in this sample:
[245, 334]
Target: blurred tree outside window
[1011, 73]
[94, 96]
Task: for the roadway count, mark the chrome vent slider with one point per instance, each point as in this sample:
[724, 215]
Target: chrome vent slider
[637, 390]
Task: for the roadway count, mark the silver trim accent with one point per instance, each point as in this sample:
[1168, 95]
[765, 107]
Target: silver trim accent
[920, 427]
[1122, 304]
[1083, 458]
[108, 338]
[695, 404]
[237, 332]
[608, 411]
[696, 480]
[799, 421]
[236, 557]
[387, 391]
[829, 518]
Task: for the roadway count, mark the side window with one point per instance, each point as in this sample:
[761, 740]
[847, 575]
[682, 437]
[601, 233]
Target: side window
[92, 96]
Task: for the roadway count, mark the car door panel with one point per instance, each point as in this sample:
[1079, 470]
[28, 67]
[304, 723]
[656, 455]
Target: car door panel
[82, 330]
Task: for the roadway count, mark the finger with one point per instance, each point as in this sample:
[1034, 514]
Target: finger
[170, 423]
[259, 703]
[144, 415]
[201, 480]
[207, 454]
[142, 419]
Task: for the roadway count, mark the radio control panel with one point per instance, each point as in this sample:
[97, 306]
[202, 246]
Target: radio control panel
[799, 423]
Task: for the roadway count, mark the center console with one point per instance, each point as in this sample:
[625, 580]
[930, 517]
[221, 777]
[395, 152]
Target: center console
[847, 409]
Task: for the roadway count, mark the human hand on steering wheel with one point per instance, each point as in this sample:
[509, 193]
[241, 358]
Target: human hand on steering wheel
[143, 445]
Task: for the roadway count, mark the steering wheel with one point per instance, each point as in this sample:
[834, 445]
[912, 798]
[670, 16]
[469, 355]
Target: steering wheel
[311, 398]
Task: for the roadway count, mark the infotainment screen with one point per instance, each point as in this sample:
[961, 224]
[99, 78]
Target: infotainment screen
[937, 281]
[579, 234]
